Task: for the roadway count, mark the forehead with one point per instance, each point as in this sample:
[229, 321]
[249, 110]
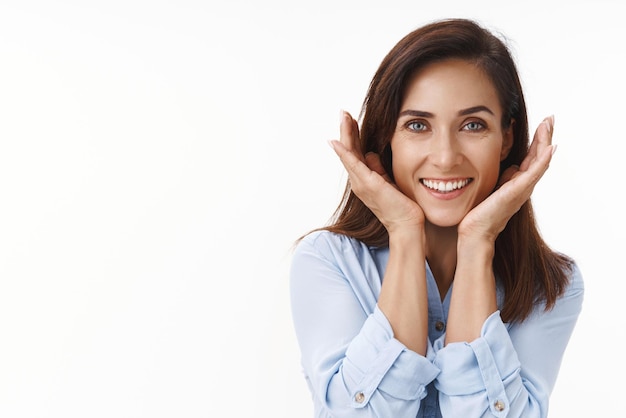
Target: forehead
[450, 84]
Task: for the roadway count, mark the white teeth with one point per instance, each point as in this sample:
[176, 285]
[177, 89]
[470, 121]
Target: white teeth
[445, 186]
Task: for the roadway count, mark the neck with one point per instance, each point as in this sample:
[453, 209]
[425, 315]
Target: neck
[441, 254]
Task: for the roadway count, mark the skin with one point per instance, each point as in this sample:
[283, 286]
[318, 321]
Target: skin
[448, 131]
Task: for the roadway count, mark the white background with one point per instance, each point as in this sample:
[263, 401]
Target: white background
[158, 158]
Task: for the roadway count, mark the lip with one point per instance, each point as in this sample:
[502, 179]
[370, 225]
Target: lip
[446, 189]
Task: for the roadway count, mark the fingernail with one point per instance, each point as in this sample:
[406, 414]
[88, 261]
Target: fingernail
[342, 116]
[553, 148]
[551, 123]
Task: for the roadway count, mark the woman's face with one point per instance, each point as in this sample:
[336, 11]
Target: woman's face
[449, 141]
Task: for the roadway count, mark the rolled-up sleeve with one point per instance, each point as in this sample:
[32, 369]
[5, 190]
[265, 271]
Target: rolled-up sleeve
[377, 362]
[353, 363]
[508, 371]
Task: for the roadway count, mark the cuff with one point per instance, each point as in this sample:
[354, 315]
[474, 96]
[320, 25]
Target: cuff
[482, 365]
[376, 360]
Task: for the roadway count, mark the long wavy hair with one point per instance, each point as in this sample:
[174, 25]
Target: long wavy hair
[529, 270]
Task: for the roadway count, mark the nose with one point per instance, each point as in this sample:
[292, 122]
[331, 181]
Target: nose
[445, 153]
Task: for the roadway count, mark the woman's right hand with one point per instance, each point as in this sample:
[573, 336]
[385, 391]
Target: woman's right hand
[370, 182]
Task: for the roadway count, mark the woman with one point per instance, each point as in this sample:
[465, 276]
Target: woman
[432, 292]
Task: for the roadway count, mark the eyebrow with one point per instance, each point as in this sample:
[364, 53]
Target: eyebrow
[475, 109]
[462, 112]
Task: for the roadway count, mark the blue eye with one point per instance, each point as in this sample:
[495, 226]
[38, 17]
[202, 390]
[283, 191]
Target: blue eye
[417, 126]
[474, 126]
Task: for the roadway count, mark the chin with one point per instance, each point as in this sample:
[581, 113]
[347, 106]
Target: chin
[445, 217]
[444, 221]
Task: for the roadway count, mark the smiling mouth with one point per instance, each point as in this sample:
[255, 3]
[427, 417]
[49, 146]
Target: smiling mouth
[445, 186]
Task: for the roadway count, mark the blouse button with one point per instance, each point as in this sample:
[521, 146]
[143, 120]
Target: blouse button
[359, 397]
[499, 405]
[439, 326]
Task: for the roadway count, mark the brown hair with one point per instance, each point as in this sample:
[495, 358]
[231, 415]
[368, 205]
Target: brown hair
[528, 269]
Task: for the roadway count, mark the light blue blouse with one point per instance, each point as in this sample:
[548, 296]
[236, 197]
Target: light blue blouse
[354, 367]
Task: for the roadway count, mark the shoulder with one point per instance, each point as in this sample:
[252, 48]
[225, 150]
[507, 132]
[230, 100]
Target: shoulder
[333, 263]
[331, 245]
[570, 300]
[320, 239]
[344, 253]
[575, 283]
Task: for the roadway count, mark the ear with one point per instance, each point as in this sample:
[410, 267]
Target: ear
[507, 141]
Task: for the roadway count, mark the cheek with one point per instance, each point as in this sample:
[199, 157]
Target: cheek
[491, 172]
[404, 162]
[401, 172]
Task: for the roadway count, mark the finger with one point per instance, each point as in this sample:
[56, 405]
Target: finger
[355, 127]
[541, 140]
[358, 172]
[508, 174]
[545, 140]
[519, 184]
[543, 161]
[372, 160]
[349, 133]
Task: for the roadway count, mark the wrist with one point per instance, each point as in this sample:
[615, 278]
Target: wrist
[476, 248]
[407, 237]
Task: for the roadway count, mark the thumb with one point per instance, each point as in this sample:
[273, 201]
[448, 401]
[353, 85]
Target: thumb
[372, 160]
[508, 174]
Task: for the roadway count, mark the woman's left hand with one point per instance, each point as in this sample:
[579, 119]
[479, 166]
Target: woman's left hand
[516, 184]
